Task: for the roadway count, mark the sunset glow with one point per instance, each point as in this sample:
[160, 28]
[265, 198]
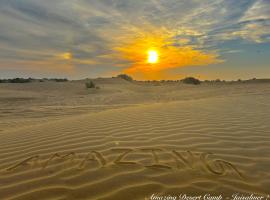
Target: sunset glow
[146, 39]
[152, 55]
[66, 56]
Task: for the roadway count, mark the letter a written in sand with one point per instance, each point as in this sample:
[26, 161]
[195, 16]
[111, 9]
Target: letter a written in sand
[93, 156]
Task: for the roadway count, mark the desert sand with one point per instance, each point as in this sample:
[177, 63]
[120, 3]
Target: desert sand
[130, 140]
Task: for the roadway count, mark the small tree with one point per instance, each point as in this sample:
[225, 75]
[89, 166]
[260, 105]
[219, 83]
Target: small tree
[125, 77]
[191, 80]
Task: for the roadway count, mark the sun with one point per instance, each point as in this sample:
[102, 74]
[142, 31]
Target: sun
[152, 56]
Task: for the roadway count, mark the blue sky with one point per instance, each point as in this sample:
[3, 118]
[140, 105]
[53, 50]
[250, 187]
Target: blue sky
[80, 38]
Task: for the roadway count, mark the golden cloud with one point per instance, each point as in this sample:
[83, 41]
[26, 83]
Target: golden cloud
[170, 56]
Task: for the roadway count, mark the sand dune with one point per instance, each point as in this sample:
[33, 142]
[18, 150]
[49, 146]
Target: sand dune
[129, 141]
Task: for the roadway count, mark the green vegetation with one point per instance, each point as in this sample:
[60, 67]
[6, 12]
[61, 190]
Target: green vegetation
[90, 84]
[29, 80]
[191, 80]
[125, 77]
[58, 79]
[16, 80]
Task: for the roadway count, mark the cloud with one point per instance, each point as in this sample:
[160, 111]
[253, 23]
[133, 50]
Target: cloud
[170, 55]
[258, 11]
[90, 32]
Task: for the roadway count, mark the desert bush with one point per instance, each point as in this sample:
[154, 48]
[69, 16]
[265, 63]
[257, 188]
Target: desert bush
[19, 80]
[90, 84]
[60, 79]
[125, 77]
[29, 80]
[191, 80]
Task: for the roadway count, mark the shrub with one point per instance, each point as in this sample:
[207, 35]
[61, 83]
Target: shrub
[60, 79]
[90, 84]
[20, 80]
[29, 80]
[191, 80]
[125, 77]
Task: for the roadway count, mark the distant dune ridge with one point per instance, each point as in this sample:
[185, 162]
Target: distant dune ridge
[132, 139]
[189, 80]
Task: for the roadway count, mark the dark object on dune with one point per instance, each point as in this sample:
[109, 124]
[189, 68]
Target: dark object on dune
[191, 80]
[125, 77]
[90, 84]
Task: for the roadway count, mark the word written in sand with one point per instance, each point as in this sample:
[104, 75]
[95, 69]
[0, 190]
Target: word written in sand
[177, 160]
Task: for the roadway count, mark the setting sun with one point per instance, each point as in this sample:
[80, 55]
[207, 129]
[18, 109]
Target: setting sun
[152, 56]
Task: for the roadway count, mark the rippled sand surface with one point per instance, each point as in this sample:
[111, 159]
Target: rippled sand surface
[132, 140]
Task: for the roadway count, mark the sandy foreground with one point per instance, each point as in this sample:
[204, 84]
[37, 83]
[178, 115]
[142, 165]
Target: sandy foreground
[132, 140]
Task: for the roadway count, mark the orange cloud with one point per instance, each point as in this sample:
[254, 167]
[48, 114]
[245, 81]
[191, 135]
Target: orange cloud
[170, 56]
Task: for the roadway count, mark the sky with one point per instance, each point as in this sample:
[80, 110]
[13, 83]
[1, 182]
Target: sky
[207, 39]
